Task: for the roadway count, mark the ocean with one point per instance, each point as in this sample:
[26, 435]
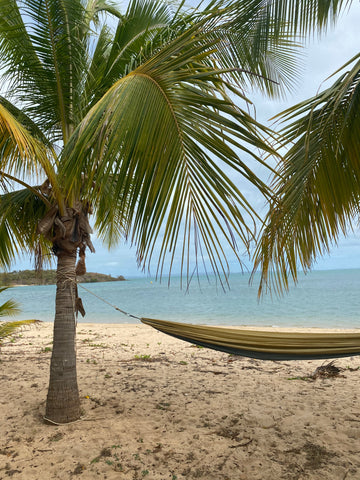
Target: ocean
[325, 299]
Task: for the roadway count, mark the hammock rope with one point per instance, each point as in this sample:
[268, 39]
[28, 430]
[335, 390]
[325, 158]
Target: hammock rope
[108, 303]
[259, 344]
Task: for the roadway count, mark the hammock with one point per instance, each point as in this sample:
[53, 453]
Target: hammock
[263, 345]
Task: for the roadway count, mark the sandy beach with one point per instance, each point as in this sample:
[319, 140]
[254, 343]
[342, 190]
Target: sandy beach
[160, 409]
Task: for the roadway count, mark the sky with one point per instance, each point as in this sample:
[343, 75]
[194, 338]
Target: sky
[322, 57]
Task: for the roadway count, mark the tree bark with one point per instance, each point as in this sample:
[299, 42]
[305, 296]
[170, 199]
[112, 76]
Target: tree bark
[63, 402]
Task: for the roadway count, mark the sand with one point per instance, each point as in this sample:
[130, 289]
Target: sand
[161, 409]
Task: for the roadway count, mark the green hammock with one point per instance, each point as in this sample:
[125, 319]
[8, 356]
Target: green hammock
[264, 345]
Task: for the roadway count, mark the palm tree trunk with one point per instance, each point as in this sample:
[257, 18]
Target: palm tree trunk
[63, 402]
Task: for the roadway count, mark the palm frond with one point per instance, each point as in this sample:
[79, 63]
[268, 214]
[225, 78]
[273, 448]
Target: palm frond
[296, 17]
[263, 39]
[317, 191]
[19, 59]
[52, 61]
[31, 127]
[21, 153]
[96, 8]
[136, 33]
[20, 212]
[154, 137]
[9, 308]
[109, 222]
[94, 77]
[248, 42]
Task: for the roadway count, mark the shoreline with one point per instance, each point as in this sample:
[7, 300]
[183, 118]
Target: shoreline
[158, 408]
[257, 327]
[265, 328]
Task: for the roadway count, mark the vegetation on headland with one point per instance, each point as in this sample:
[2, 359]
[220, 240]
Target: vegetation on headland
[48, 277]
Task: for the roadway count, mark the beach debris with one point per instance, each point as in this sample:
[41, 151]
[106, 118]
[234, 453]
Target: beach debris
[328, 370]
[79, 469]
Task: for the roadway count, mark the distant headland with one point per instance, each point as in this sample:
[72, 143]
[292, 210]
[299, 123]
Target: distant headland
[48, 277]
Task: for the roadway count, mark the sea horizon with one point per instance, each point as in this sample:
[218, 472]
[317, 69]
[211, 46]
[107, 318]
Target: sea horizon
[321, 298]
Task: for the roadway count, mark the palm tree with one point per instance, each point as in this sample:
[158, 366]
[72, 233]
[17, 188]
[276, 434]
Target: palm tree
[135, 121]
[317, 189]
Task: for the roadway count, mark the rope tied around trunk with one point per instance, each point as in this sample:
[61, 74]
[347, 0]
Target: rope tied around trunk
[63, 277]
[63, 281]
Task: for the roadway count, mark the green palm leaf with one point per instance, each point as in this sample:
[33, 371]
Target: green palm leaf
[263, 39]
[136, 34]
[296, 17]
[20, 213]
[318, 185]
[22, 155]
[49, 53]
[11, 308]
[153, 137]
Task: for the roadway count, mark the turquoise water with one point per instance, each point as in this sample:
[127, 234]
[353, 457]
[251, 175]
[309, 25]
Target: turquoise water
[321, 299]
